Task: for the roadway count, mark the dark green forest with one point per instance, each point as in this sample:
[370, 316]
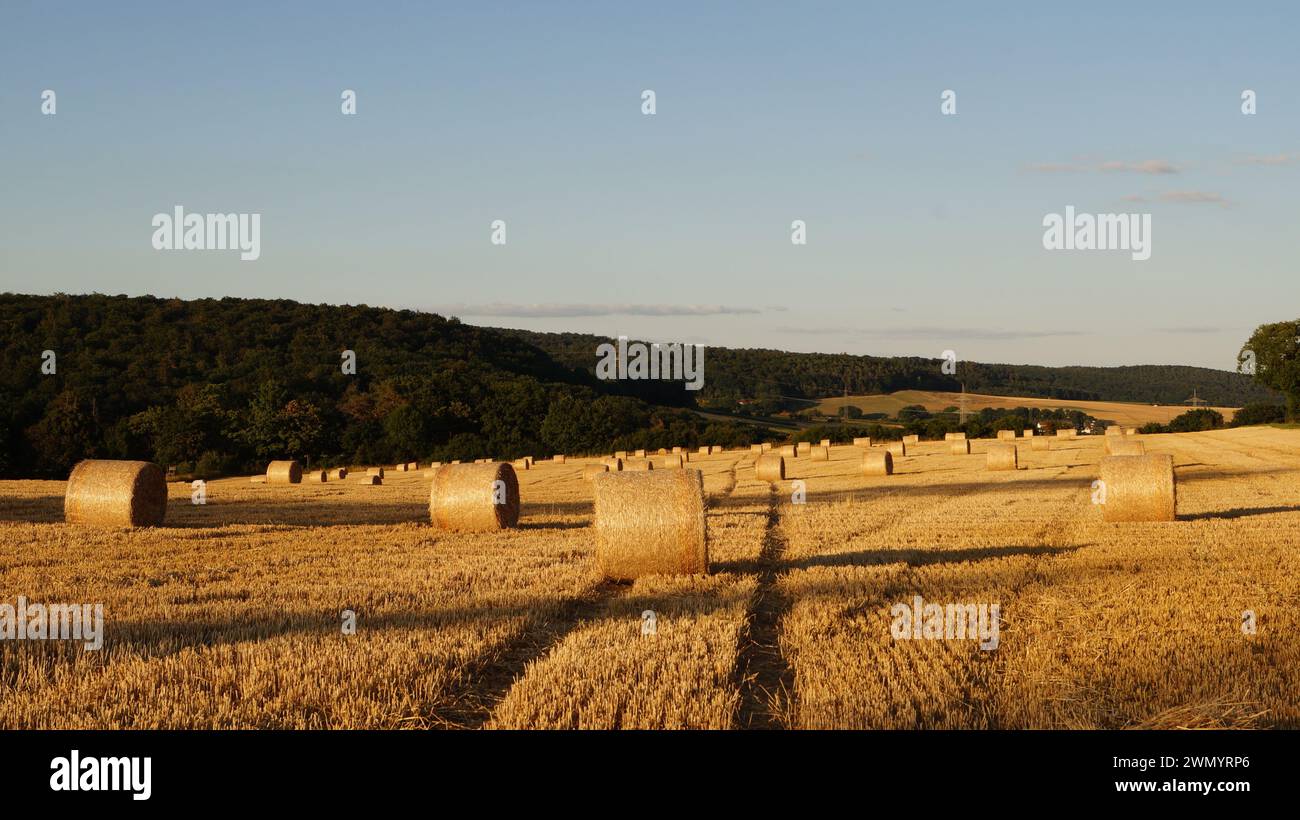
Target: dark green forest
[217, 386]
[776, 377]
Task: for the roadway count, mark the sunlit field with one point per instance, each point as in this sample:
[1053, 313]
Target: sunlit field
[231, 615]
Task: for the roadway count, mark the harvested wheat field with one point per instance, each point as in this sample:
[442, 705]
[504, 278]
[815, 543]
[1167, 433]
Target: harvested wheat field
[230, 615]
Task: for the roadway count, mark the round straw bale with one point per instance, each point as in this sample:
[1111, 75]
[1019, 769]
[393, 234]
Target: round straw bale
[400, 468]
[1127, 447]
[862, 441]
[804, 448]
[826, 442]
[371, 480]
[413, 466]
[821, 454]
[756, 448]
[1130, 431]
[284, 472]
[638, 465]
[339, 474]
[686, 457]
[1063, 433]
[620, 454]
[959, 447]
[912, 439]
[954, 436]
[1114, 430]
[1028, 432]
[558, 458]
[1138, 488]
[465, 497]
[789, 451]
[520, 464]
[640, 453]
[115, 494]
[897, 448]
[1006, 434]
[650, 524]
[318, 476]
[767, 446]
[1002, 457]
[672, 462]
[770, 467]
[1040, 443]
[615, 465]
[591, 470]
[704, 451]
[677, 451]
[878, 462]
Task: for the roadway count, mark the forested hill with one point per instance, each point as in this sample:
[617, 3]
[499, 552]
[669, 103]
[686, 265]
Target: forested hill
[216, 386]
[732, 374]
[229, 384]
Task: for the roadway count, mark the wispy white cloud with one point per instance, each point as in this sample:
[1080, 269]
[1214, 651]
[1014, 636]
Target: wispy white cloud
[1194, 198]
[572, 310]
[1269, 159]
[1146, 166]
[927, 332]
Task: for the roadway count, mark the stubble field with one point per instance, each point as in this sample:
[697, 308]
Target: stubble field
[230, 615]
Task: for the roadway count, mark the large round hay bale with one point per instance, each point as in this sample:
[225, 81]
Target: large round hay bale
[770, 467]
[862, 441]
[339, 474]
[378, 472]
[620, 454]
[767, 446]
[672, 462]
[520, 464]
[1002, 457]
[1064, 433]
[821, 454]
[1138, 488]
[897, 448]
[413, 466]
[803, 448]
[638, 465]
[115, 494]
[371, 480]
[959, 447]
[317, 477]
[615, 465]
[1028, 432]
[589, 471]
[651, 524]
[663, 451]
[640, 453]
[825, 442]
[558, 458]
[475, 497]
[1130, 431]
[756, 448]
[686, 457]
[284, 472]
[912, 439]
[401, 468]
[1006, 434]
[677, 451]
[788, 451]
[1124, 446]
[878, 462]
[1040, 443]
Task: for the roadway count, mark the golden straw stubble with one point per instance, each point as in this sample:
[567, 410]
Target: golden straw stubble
[116, 494]
[1138, 488]
[1124, 446]
[475, 497]
[650, 524]
[770, 467]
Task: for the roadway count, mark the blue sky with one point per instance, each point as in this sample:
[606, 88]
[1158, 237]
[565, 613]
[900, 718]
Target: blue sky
[924, 231]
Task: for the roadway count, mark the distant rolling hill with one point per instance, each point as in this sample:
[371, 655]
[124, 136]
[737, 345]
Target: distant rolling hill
[936, 401]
